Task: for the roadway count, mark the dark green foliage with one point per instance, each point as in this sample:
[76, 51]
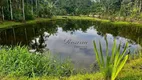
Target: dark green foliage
[7, 14]
[17, 15]
[47, 8]
[29, 15]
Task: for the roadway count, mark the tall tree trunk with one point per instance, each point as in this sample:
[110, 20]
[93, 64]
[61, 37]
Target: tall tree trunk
[37, 8]
[32, 7]
[23, 10]
[2, 13]
[16, 6]
[19, 5]
[11, 11]
[140, 6]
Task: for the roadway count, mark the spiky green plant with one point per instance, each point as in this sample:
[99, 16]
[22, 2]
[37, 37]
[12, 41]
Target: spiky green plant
[111, 65]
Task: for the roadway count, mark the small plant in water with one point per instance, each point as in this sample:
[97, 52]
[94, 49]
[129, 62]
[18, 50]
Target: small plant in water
[110, 66]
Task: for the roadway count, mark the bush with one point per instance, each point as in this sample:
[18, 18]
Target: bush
[17, 15]
[28, 12]
[29, 15]
[7, 14]
[46, 13]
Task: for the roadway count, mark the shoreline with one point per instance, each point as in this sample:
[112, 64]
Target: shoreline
[8, 24]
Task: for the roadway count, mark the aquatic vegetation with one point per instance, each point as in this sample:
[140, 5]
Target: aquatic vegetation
[110, 66]
[18, 61]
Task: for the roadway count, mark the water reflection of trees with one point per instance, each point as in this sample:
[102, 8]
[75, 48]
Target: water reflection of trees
[130, 32]
[26, 33]
[74, 25]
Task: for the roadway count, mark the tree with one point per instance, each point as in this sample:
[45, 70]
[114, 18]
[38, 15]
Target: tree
[11, 10]
[2, 9]
[23, 10]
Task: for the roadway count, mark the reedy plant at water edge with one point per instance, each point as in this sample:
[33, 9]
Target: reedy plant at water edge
[111, 65]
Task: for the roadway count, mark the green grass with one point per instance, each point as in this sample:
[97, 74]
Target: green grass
[103, 21]
[97, 76]
[18, 61]
[18, 64]
[131, 71]
[7, 24]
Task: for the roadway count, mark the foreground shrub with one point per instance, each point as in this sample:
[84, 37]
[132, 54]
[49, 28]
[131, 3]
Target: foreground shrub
[18, 61]
[111, 65]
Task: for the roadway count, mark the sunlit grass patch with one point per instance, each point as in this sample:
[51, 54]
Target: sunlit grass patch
[7, 24]
[132, 70]
[18, 61]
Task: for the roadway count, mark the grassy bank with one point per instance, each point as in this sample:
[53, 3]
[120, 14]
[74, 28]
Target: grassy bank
[18, 61]
[131, 71]
[18, 64]
[7, 24]
[103, 21]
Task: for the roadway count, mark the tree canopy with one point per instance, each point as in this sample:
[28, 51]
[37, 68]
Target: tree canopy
[29, 9]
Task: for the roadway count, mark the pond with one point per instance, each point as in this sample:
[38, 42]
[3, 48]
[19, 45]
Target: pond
[71, 39]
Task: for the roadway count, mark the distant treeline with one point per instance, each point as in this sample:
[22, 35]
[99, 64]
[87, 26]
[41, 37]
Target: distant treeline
[21, 10]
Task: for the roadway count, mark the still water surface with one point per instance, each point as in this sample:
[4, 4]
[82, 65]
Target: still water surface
[71, 38]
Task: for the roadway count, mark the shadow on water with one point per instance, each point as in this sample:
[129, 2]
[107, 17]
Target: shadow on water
[130, 32]
[71, 38]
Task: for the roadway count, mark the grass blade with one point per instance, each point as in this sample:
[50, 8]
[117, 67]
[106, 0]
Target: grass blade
[97, 54]
[102, 58]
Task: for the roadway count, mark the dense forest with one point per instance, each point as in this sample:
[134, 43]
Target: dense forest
[21, 10]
